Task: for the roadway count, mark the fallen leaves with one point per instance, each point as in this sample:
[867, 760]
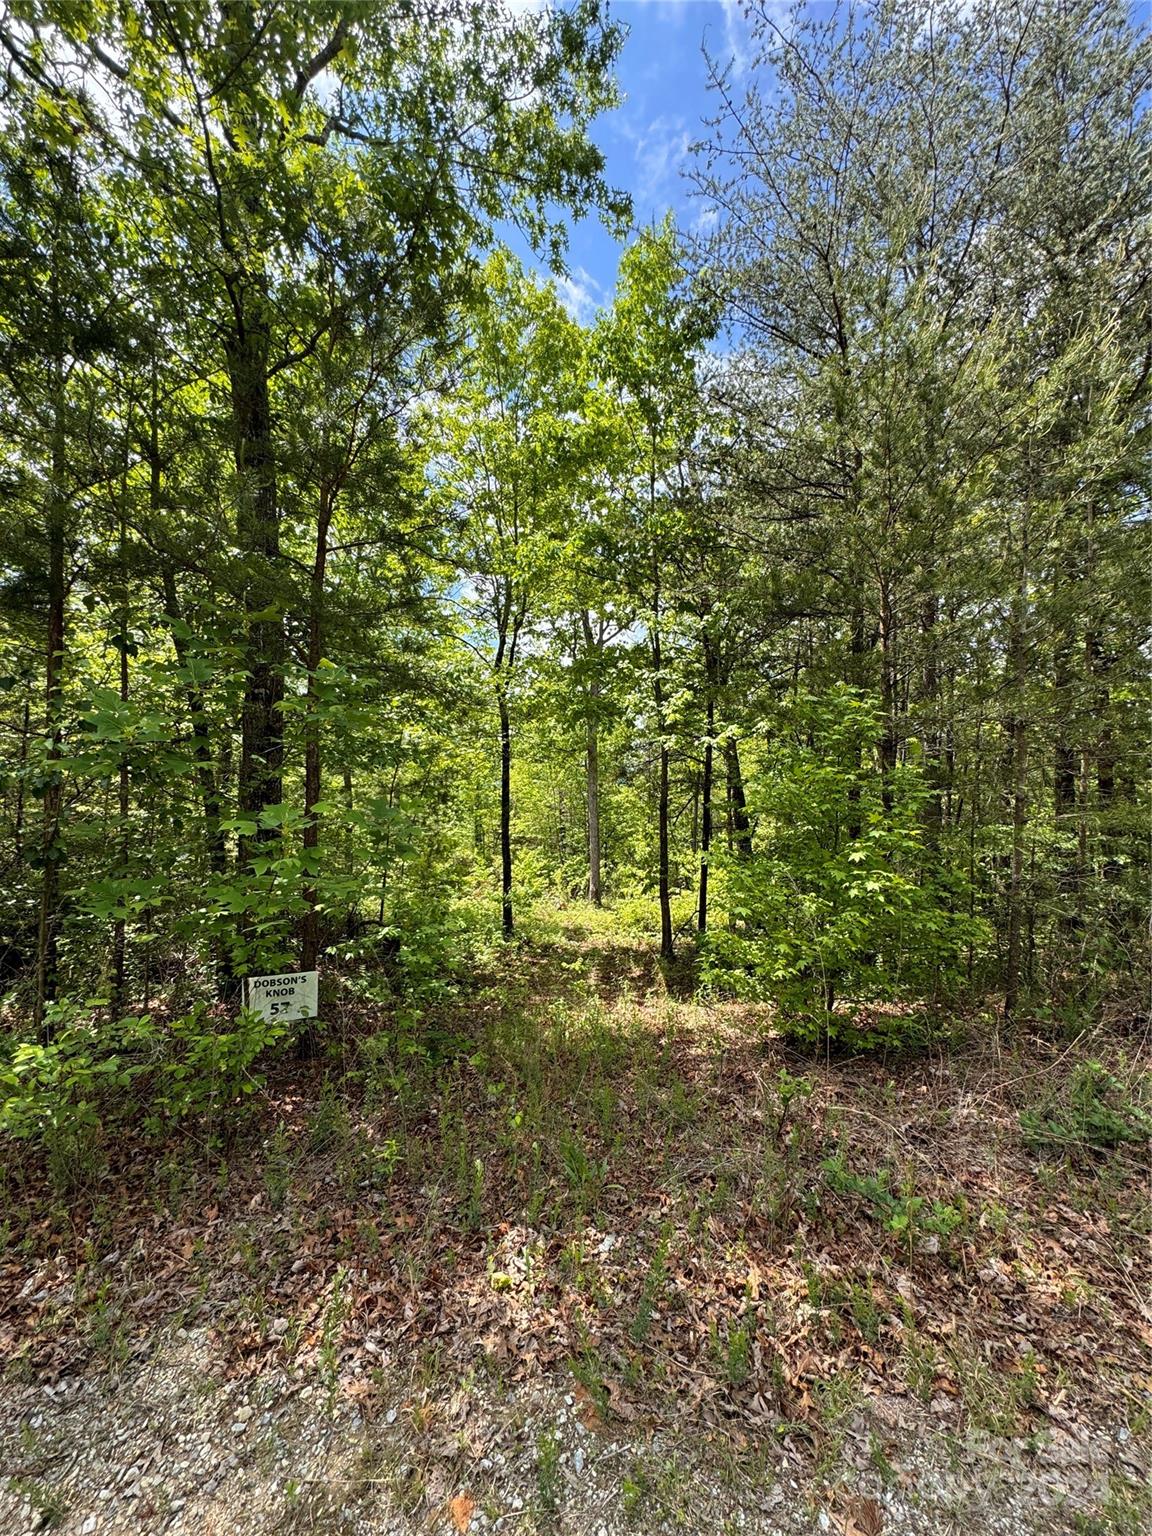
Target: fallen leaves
[587, 1410]
[862, 1517]
[461, 1509]
[759, 1303]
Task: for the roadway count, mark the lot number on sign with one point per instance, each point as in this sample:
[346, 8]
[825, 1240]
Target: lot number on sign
[291, 996]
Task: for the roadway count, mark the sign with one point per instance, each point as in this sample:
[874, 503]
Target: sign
[291, 996]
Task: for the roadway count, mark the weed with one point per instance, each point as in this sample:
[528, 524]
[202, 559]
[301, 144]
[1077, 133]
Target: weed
[1125, 1512]
[921, 1365]
[278, 1167]
[995, 1398]
[836, 1399]
[789, 1090]
[48, 1502]
[548, 1481]
[328, 1126]
[738, 1356]
[475, 1211]
[901, 1210]
[585, 1175]
[865, 1310]
[1094, 1112]
[653, 1284]
[878, 1456]
[107, 1331]
[634, 1491]
[588, 1370]
[331, 1328]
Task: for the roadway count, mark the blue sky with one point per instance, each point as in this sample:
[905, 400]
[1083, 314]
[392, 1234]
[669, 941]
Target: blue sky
[647, 141]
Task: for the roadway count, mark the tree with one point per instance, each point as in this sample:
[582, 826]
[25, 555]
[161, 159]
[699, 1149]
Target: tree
[501, 454]
[274, 151]
[648, 349]
[890, 251]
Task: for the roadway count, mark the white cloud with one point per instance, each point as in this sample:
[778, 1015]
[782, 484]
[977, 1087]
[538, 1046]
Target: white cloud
[580, 293]
[737, 42]
[706, 220]
[659, 151]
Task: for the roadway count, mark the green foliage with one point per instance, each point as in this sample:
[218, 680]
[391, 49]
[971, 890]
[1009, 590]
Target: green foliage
[355, 596]
[654, 1280]
[90, 1074]
[838, 901]
[549, 1481]
[900, 1210]
[1095, 1112]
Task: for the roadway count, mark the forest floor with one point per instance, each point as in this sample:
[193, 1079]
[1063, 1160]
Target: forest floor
[601, 1260]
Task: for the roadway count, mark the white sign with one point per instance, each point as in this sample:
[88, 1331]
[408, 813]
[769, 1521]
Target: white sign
[291, 996]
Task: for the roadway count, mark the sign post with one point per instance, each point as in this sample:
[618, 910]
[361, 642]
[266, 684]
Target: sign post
[293, 995]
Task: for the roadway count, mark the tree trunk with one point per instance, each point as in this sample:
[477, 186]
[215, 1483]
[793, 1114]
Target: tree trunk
[210, 794]
[506, 919]
[306, 1042]
[310, 928]
[1018, 760]
[21, 777]
[741, 824]
[120, 927]
[934, 765]
[1065, 775]
[47, 945]
[667, 945]
[592, 763]
[857, 651]
[258, 535]
[209, 784]
[706, 817]
[888, 695]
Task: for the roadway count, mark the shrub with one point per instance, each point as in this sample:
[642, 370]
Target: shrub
[60, 1093]
[840, 900]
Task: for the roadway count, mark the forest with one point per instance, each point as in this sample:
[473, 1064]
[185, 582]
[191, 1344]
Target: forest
[670, 728]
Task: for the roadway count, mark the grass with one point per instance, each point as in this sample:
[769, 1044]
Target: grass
[48, 1503]
[591, 1173]
[549, 1483]
[1125, 1511]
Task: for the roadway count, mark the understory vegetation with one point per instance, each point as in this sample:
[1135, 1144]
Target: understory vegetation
[572, 1170]
[701, 745]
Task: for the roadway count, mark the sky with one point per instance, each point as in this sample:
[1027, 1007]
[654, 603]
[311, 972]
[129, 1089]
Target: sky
[647, 141]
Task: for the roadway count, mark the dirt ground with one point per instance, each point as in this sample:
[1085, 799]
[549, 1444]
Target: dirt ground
[605, 1260]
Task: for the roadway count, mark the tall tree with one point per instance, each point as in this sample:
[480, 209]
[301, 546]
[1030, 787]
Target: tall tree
[649, 346]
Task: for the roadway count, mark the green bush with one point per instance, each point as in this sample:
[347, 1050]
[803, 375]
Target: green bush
[59, 1093]
[841, 900]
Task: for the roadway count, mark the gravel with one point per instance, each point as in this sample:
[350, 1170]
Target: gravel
[172, 1446]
